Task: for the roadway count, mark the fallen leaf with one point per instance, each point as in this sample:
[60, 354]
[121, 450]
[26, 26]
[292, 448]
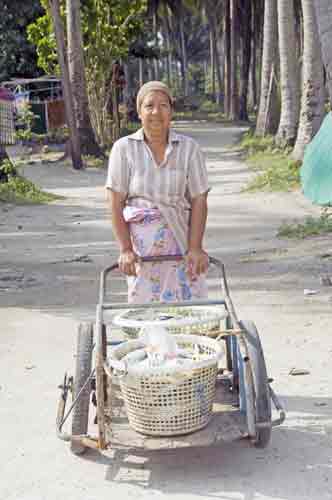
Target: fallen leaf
[79, 258]
[325, 281]
[299, 371]
[307, 291]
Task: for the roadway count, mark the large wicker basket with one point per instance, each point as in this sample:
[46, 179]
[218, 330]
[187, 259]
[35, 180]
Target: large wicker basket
[178, 320]
[166, 402]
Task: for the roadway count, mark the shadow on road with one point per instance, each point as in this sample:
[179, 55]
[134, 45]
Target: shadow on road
[237, 469]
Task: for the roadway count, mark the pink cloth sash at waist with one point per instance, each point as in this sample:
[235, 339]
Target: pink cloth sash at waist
[138, 214]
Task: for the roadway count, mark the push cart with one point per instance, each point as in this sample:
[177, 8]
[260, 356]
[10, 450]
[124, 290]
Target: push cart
[242, 405]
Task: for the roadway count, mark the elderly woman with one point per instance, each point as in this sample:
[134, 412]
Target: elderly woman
[157, 193]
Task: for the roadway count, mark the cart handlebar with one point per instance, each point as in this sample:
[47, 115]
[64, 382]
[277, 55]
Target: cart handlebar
[163, 258]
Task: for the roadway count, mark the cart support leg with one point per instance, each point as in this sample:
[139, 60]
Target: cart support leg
[100, 380]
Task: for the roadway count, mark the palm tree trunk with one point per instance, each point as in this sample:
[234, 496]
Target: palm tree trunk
[256, 26]
[234, 102]
[216, 59]
[126, 92]
[312, 105]
[252, 72]
[266, 123]
[78, 81]
[184, 60]
[323, 9]
[227, 73]
[173, 64]
[212, 67]
[155, 33]
[289, 75]
[140, 71]
[115, 100]
[245, 20]
[168, 45]
[67, 91]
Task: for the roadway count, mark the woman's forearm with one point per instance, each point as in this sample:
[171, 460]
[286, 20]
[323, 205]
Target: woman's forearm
[116, 202]
[197, 222]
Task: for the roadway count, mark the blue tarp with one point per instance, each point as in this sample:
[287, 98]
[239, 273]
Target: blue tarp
[316, 170]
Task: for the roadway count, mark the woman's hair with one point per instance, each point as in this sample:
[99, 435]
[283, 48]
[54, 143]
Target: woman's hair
[149, 87]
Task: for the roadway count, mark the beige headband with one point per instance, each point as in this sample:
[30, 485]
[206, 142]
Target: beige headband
[149, 87]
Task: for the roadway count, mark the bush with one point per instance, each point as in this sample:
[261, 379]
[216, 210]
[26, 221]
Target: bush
[209, 106]
[18, 189]
[58, 135]
[253, 144]
[7, 170]
[277, 172]
[312, 226]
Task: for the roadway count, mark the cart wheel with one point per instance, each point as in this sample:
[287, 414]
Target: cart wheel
[262, 398]
[83, 370]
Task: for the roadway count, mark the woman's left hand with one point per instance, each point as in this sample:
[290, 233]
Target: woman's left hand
[197, 262]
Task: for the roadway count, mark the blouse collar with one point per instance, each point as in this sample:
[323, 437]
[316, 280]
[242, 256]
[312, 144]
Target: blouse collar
[139, 136]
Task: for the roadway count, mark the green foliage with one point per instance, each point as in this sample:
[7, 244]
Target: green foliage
[252, 144]
[94, 162]
[17, 54]
[25, 122]
[312, 226]
[108, 28]
[41, 34]
[196, 32]
[209, 106]
[7, 168]
[129, 129]
[17, 189]
[277, 172]
[57, 136]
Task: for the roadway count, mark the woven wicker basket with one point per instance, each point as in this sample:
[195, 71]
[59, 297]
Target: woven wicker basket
[188, 320]
[164, 402]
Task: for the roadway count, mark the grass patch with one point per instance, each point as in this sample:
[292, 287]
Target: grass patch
[17, 189]
[277, 172]
[21, 190]
[252, 144]
[213, 116]
[94, 162]
[130, 128]
[312, 226]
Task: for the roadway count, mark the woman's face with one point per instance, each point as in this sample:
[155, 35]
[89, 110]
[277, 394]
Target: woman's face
[156, 112]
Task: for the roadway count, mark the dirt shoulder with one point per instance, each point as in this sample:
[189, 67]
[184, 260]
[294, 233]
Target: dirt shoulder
[51, 256]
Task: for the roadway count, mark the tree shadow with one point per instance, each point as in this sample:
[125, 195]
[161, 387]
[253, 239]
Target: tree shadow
[295, 466]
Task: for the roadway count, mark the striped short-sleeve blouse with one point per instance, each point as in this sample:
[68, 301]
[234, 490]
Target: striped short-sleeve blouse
[169, 186]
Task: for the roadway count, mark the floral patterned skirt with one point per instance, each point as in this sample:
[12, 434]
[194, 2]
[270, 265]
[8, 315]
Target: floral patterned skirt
[158, 281]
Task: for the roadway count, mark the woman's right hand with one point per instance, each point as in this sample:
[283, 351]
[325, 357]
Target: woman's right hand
[127, 262]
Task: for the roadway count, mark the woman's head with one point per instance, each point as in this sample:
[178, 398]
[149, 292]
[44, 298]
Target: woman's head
[154, 106]
[153, 86]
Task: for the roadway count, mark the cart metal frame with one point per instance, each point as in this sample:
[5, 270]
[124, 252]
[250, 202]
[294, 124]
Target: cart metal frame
[246, 370]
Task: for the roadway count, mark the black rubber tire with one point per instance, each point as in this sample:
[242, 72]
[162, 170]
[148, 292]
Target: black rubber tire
[261, 385]
[80, 418]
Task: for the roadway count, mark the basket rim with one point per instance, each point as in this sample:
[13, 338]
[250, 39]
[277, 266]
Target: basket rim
[122, 320]
[162, 371]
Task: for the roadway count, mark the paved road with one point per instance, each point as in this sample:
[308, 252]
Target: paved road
[50, 260]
